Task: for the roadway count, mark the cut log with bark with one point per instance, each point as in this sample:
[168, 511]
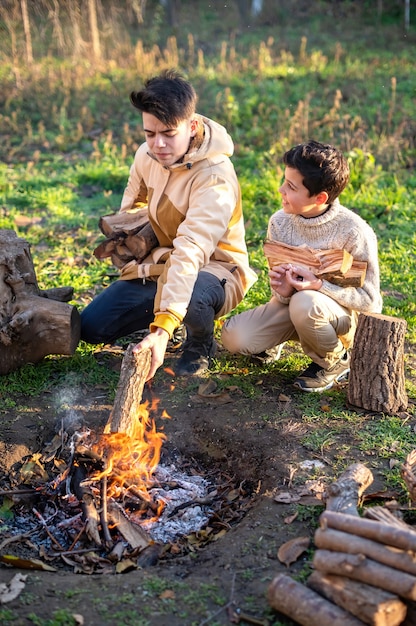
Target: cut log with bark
[339, 541]
[399, 536]
[377, 380]
[359, 567]
[336, 266]
[34, 323]
[369, 604]
[305, 606]
[133, 376]
[345, 493]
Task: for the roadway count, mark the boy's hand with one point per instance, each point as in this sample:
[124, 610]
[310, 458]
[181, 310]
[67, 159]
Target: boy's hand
[279, 281]
[156, 342]
[301, 278]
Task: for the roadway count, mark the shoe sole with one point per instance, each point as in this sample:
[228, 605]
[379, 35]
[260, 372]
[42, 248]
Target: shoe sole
[341, 378]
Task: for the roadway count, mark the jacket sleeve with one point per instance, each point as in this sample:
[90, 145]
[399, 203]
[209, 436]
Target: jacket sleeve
[212, 202]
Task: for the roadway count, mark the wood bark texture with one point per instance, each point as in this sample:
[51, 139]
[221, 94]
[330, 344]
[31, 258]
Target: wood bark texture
[338, 541]
[133, 375]
[305, 606]
[400, 537]
[371, 605]
[345, 493]
[358, 567]
[33, 323]
[376, 380]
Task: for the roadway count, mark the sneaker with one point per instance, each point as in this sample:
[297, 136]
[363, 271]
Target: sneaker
[314, 378]
[191, 364]
[268, 356]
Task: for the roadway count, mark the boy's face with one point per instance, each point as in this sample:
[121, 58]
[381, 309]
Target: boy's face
[296, 199]
[168, 144]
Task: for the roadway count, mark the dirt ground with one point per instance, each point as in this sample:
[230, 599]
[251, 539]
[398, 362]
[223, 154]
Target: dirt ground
[255, 441]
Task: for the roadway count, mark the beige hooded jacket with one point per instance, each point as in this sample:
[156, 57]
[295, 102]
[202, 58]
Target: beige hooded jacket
[195, 210]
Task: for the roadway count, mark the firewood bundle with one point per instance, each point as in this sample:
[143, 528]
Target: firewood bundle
[336, 266]
[364, 567]
[129, 236]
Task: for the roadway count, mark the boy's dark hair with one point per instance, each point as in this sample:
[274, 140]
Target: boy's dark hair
[323, 167]
[169, 97]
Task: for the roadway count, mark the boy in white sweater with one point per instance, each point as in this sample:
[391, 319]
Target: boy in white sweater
[319, 314]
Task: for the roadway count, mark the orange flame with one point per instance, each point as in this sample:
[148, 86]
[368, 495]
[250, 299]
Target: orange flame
[132, 459]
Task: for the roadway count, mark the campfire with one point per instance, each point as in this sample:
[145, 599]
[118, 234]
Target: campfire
[111, 501]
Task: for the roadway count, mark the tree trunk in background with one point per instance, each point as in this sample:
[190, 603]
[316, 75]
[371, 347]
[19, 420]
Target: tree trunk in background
[75, 16]
[33, 322]
[95, 34]
[28, 36]
[377, 381]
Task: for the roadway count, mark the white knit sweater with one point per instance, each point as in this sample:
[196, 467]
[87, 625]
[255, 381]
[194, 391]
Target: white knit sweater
[342, 229]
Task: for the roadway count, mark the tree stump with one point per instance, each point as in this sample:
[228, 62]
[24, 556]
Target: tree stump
[33, 323]
[376, 380]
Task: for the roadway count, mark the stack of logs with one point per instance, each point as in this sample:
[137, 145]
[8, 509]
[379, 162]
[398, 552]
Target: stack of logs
[364, 567]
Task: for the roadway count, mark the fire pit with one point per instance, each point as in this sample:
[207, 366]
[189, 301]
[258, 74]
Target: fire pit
[113, 501]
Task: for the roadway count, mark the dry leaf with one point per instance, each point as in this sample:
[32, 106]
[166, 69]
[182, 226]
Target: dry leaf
[9, 592]
[290, 551]
[10, 559]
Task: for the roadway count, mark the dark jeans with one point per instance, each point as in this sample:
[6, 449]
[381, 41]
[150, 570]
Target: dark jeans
[126, 306]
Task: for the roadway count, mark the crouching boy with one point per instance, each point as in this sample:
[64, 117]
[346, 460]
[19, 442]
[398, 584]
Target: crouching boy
[321, 315]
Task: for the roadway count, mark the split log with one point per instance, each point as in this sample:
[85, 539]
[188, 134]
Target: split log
[338, 541]
[400, 536]
[345, 493]
[33, 323]
[305, 606]
[134, 534]
[133, 375]
[358, 567]
[123, 222]
[376, 380]
[336, 266]
[371, 605]
[130, 236]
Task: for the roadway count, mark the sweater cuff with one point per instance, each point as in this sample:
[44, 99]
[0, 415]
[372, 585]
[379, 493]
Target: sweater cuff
[166, 321]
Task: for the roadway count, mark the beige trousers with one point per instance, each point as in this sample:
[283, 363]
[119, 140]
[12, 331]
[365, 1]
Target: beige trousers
[323, 327]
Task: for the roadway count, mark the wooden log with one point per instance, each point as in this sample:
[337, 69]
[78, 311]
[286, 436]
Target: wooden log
[376, 380]
[133, 375]
[402, 537]
[305, 606]
[359, 567]
[338, 541]
[32, 323]
[336, 266]
[124, 222]
[345, 493]
[371, 605]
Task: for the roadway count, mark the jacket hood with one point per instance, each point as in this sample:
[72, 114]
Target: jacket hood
[211, 141]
